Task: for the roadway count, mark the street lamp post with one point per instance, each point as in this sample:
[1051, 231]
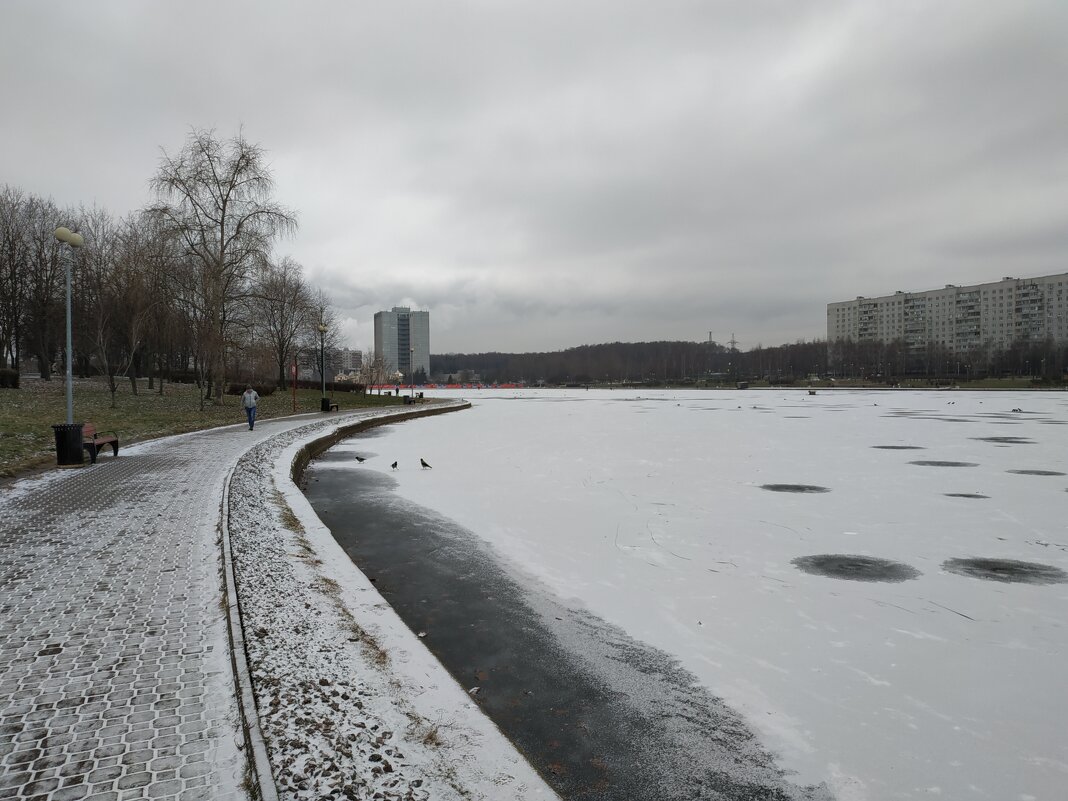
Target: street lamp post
[324, 404]
[75, 241]
[411, 368]
[69, 436]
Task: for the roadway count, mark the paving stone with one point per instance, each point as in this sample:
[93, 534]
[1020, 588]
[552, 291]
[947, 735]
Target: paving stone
[70, 793]
[113, 650]
[77, 768]
[41, 787]
[134, 780]
[104, 774]
[105, 751]
[23, 757]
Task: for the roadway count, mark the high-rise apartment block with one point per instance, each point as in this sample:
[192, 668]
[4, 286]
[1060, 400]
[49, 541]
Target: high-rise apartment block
[961, 318]
[402, 339]
[349, 360]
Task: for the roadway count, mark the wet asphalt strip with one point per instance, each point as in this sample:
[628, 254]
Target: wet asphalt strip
[600, 716]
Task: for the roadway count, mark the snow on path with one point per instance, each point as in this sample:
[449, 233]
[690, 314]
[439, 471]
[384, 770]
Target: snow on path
[647, 509]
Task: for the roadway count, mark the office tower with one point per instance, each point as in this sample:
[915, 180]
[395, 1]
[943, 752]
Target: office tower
[402, 339]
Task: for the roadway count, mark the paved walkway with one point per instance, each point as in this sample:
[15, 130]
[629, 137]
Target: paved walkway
[115, 680]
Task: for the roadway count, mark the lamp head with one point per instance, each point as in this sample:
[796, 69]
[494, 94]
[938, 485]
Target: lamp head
[322, 328]
[64, 234]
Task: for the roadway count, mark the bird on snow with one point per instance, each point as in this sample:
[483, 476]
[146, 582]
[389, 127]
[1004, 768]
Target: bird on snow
[394, 465]
[360, 459]
[424, 464]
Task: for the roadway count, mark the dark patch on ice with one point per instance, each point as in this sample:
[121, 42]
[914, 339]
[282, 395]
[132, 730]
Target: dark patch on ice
[794, 488]
[1007, 570]
[941, 417]
[939, 463]
[855, 568]
[965, 495]
[899, 447]
[601, 716]
[1006, 440]
[344, 457]
[1035, 472]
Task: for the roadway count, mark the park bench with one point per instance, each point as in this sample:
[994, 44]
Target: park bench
[93, 442]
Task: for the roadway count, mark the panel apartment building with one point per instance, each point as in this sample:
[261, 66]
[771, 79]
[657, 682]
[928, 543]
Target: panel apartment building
[962, 318]
[402, 339]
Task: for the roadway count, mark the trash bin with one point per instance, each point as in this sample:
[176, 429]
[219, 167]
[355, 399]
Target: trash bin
[324, 405]
[407, 400]
[69, 452]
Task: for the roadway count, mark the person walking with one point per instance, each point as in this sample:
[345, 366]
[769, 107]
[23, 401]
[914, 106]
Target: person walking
[249, 401]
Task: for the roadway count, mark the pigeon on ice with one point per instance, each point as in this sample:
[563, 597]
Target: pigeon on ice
[394, 465]
[360, 459]
[424, 464]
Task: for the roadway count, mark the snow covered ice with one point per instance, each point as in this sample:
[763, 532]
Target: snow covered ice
[696, 522]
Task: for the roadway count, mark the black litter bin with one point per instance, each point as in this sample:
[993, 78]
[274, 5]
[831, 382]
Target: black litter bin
[324, 405]
[407, 400]
[69, 452]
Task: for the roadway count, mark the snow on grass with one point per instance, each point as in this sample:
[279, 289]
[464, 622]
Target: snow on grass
[657, 512]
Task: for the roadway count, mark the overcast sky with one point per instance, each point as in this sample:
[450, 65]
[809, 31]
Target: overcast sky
[546, 174]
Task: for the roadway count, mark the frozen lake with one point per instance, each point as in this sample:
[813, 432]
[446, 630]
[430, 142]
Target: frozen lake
[724, 529]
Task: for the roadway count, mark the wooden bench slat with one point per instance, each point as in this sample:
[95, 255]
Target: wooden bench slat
[92, 441]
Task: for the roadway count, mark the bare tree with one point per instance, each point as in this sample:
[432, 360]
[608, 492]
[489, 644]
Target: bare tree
[216, 198]
[97, 294]
[194, 316]
[282, 308]
[14, 266]
[45, 277]
[373, 370]
[321, 312]
[160, 256]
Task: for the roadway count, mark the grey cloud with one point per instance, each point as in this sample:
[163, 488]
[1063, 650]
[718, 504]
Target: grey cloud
[546, 174]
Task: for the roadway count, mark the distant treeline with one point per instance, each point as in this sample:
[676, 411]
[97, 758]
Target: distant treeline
[632, 362]
[683, 362]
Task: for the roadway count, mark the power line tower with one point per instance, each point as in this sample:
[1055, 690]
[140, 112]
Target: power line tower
[732, 342]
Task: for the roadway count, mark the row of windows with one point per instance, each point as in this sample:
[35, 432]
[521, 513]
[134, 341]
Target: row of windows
[1037, 287]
